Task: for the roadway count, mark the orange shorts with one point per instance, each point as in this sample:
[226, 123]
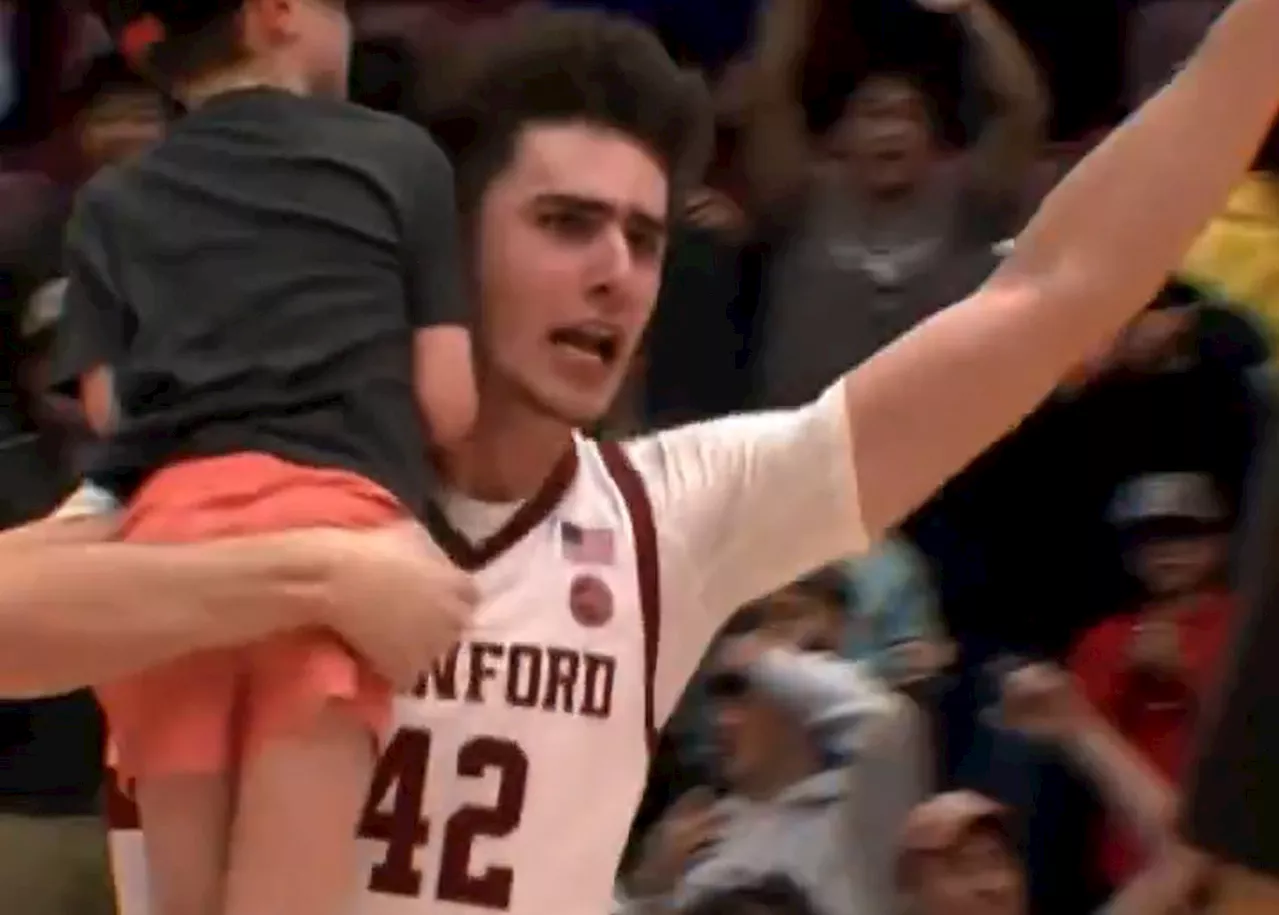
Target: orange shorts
[200, 713]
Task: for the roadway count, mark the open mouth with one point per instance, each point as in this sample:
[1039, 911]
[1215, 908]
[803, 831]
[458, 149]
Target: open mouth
[890, 155]
[594, 340]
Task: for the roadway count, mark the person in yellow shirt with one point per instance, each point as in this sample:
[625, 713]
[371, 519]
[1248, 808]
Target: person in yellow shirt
[1235, 258]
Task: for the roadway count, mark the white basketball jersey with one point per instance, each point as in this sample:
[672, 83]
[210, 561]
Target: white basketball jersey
[516, 766]
[511, 780]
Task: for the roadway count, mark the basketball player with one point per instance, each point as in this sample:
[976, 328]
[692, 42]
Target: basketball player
[605, 570]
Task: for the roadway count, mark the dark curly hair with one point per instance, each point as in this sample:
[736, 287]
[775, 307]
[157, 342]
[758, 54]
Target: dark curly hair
[564, 67]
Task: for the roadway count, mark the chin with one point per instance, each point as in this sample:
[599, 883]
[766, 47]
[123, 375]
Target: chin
[582, 411]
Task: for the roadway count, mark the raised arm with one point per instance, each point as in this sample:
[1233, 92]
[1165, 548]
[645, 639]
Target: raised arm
[1044, 701]
[776, 152]
[1014, 131]
[1093, 256]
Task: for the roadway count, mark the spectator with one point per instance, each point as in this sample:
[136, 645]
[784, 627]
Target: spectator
[121, 115]
[1235, 258]
[958, 851]
[896, 627]
[865, 248]
[52, 839]
[1147, 670]
[53, 855]
[780, 716]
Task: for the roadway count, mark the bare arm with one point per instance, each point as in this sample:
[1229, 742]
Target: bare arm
[776, 147]
[1130, 788]
[1095, 253]
[76, 610]
[1012, 134]
[1168, 887]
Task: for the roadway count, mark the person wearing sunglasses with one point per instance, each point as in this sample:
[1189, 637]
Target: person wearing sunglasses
[799, 734]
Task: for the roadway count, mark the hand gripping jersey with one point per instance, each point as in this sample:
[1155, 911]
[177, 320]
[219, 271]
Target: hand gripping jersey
[517, 763]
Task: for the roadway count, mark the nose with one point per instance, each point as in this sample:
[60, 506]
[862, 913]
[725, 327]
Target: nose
[611, 262]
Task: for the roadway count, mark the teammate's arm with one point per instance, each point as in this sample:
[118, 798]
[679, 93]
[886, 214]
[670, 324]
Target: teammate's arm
[1093, 256]
[439, 312]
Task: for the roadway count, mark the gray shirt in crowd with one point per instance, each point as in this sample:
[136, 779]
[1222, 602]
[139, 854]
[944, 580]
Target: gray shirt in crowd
[844, 280]
[831, 833]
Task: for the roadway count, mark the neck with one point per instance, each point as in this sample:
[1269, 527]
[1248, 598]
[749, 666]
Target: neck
[508, 455]
[197, 92]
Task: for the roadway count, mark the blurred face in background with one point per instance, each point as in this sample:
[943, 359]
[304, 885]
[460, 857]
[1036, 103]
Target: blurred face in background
[978, 875]
[119, 124]
[886, 135]
[810, 621]
[570, 239]
[751, 731]
[1177, 563]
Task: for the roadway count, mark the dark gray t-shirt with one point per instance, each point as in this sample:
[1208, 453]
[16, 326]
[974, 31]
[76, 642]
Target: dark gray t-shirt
[253, 283]
[843, 282]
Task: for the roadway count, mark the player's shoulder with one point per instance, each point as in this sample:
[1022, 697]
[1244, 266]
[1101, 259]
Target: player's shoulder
[659, 454]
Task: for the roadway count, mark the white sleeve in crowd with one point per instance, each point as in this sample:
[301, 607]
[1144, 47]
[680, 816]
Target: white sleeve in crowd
[745, 504]
[87, 501]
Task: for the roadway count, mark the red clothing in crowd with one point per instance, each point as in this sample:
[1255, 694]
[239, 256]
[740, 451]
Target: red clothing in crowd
[1156, 715]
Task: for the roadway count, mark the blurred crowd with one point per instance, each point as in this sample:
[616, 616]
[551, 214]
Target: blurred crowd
[989, 714]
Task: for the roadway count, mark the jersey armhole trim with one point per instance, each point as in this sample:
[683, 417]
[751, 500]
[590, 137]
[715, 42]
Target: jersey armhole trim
[635, 497]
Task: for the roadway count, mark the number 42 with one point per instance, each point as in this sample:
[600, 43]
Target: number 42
[401, 780]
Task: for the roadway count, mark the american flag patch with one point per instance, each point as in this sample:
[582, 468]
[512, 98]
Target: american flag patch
[593, 545]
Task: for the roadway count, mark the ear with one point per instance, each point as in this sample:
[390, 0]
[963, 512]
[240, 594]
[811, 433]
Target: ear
[270, 21]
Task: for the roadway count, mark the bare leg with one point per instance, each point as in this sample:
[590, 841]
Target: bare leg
[293, 843]
[1240, 891]
[186, 820]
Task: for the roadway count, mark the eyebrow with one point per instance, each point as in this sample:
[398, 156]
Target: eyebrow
[646, 221]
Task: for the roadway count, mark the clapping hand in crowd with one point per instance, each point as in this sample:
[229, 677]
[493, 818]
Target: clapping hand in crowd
[1043, 701]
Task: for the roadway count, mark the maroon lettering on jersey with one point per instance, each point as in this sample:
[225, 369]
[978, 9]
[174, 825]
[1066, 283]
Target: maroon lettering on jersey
[394, 816]
[441, 680]
[122, 812]
[524, 675]
[598, 675]
[564, 665]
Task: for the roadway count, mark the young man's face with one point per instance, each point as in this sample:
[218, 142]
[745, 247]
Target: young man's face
[570, 239]
[885, 134]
